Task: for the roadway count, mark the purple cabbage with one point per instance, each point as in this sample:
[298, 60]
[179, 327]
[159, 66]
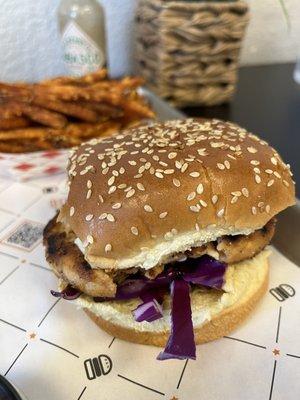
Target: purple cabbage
[181, 343]
[149, 311]
[69, 293]
[205, 271]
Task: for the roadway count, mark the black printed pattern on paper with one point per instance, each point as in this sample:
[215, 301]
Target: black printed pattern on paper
[97, 366]
[282, 292]
[26, 236]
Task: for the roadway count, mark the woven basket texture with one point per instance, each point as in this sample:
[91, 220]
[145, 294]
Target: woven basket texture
[188, 52]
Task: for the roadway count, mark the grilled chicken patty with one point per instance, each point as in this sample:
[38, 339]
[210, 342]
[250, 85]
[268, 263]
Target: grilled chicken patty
[69, 264]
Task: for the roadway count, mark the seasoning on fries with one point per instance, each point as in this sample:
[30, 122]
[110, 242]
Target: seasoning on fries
[65, 111]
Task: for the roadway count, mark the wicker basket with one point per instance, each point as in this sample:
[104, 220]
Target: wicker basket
[188, 52]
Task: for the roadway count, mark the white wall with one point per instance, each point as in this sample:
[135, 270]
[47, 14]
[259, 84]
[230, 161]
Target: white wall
[30, 47]
[268, 39]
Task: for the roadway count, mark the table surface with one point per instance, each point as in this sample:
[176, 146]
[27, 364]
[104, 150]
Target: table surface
[267, 102]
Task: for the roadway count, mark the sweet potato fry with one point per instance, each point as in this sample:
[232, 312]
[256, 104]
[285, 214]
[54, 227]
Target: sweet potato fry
[88, 79]
[42, 116]
[71, 109]
[13, 123]
[10, 109]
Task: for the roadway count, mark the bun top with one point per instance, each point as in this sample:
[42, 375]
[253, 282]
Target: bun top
[152, 191]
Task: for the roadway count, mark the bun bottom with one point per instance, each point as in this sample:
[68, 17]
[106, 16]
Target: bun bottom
[221, 323]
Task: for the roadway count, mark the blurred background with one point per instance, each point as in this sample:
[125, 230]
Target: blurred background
[30, 46]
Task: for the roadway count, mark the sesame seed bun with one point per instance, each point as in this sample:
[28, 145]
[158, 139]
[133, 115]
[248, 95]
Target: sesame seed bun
[140, 197]
[214, 313]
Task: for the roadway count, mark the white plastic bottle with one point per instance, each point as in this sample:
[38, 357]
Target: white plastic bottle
[82, 27]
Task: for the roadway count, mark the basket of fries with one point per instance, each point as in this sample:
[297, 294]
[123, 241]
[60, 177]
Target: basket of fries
[40, 121]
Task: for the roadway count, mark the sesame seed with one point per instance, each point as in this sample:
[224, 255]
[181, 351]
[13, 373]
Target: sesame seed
[115, 173]
[191, 196]
[257, 170]
[168, 235]
[171, 155]
[195, 208]
[285, 183]
[254, 211]
[163, 215]
[89, 193]
[116, 206]
[130, 193]
[184, 167]
[163, 163]
[203, 203]
[273, 161]
[251, 150]
[270, 183]
[260, 204]
[134, 230]
[105, 171]
[178, 164]
[103, 216]
[140, 186]
[174, 231]
[268, 208]
[108, 248]
[257, 179]
[234, 199]
[214, 199]
[231, 156]
[101, 198]
[220, 213]
[159, 175]
[110, 218]
[122, 170]
[199, 189]
[72, 211]
[202, 152]
[169, 171]
[90, 239]
[89, 184]
[254, 162]
[176, 182]
[132, 162]
[277, 174]
[89, 217]
[220, 166]
[197, 227]
[245, 192]
[227, 164]
[195, 174]
[148, 208]
[111, 181]
[269, 171]
[112, 189]
[122, 186]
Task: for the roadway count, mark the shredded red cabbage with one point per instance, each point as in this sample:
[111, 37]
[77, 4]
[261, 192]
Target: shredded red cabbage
[204, 271]
[181, 343]
[149, 311]
[69, 293]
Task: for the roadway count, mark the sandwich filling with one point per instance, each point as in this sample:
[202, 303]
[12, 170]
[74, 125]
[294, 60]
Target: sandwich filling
[70, 265]
[177, 284]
